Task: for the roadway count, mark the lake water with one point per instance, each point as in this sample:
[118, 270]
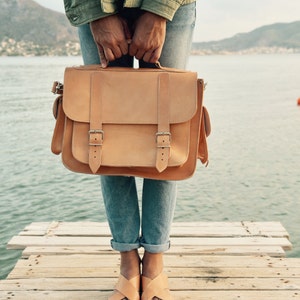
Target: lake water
[254, 169]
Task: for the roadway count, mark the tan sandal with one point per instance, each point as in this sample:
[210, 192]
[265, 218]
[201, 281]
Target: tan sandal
[126, 289]
[157, 287]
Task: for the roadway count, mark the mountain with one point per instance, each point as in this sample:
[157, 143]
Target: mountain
[26, 28]
[279, 37]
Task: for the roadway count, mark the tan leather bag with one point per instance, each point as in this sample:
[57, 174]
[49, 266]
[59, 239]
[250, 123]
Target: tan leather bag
[134, 122]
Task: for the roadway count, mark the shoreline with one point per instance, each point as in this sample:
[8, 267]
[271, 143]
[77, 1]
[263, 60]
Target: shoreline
[11, 47]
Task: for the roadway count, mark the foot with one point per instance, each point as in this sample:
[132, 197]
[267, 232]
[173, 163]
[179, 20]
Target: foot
[128, 285]
[154, 282]
[156, 289]
[127, 289]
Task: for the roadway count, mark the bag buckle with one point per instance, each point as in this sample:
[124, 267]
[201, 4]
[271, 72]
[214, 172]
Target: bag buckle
[57, 88]
[162, 142]
[93, 141]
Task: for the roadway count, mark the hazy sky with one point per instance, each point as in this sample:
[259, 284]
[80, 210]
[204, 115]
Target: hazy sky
[217, 19]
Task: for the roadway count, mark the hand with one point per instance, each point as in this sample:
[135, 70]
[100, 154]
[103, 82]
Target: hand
[148, 37]
[112, 36]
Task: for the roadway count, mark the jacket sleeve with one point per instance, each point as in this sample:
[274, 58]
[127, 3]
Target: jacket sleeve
[164, 8]
[81, 12]
[84, 11]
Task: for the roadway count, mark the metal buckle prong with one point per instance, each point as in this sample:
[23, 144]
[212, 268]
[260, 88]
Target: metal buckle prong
[96, 131]
[164, 133]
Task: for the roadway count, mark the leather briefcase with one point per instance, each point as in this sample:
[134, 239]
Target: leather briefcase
[133, 122]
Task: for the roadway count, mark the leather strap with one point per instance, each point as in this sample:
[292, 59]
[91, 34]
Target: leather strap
[58, 134]
[96, 134]
[205, 128]
[127, 289]
[163, 135]
[156, 288]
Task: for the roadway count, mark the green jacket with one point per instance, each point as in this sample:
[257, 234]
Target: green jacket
[84, 11]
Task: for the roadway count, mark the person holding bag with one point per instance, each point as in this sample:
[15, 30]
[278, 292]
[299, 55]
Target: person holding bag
[112, 33]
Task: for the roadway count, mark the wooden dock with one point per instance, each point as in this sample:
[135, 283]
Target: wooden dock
[207, 261]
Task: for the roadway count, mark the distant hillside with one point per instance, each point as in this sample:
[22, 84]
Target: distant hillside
[279, 37]
[27, 27]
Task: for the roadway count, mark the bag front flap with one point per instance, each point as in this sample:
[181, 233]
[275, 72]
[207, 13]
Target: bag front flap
[128, 96]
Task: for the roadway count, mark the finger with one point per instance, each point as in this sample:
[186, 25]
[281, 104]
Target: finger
[128, 36]
[155, 56]
[109, 54]
[113, 53]
[103, 60]
[132, 49]
[124, 47]
[140, 54]
[121, 49]
[126, 29]
[147, 56]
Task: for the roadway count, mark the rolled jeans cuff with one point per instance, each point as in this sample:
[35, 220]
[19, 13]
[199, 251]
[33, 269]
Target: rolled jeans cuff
[124, 247]
[156, 248]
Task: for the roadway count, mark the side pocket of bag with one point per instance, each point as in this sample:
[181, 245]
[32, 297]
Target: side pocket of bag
[205, 129]
[59, 115]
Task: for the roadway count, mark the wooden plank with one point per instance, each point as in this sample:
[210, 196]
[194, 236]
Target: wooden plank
[54, 295]
[180, 231]
[266, 228]
[178, 261]
[237, 241]
[41, 271]
[178, 295]
[200, 229]
[53, 250]
[20, 242]
[178, 284]
[236, 295]
[274, 251]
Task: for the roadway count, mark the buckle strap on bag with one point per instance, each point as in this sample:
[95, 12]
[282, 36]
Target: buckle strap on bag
[58, 133]
[96, 133]
[57, 88]
[205, 127]
[163, 135]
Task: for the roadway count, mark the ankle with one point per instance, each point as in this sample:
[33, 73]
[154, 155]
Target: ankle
[130, 264]
[152, 264]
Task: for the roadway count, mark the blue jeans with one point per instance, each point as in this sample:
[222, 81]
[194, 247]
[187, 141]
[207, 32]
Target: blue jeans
[151, 230]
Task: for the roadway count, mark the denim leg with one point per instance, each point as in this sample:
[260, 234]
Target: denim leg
[88, 47]
[179, 36]
[159, 197]
[121, 204]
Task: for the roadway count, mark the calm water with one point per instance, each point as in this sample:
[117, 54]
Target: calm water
[254, 170]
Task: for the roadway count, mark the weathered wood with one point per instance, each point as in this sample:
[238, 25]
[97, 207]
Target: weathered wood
[23, 272]
[207, 261]
[197, 229]
[178, 295]
[20, 242]
[178, 261]
[274, 251]
[176, 284]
